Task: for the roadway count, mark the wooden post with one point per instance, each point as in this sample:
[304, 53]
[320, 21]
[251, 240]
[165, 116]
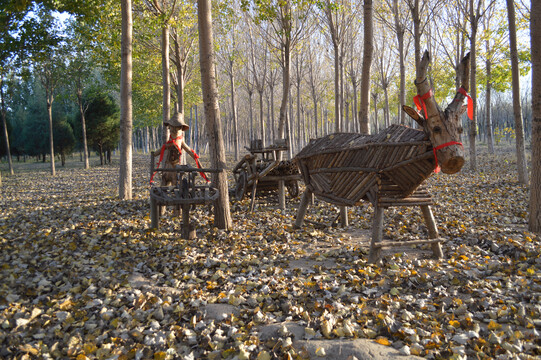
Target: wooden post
[154, 214]
[377, 235]
[344, 221]
[187, 231]
[281, 194]
[303, 206]
[254, 189]
[432, 230]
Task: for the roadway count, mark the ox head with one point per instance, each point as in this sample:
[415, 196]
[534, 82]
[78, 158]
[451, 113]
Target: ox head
[443, 127]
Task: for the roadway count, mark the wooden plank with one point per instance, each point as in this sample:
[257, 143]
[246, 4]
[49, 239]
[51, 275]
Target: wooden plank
[406, 243]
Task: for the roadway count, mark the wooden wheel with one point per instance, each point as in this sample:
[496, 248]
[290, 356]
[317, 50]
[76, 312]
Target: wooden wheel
[293, 188]
[240, 188]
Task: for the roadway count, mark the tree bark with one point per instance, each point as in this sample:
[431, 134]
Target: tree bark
[286, 83]
[368, 50]
[488, 112]
[400, 39]
[83, 127]
[286, 63]
[126, 125]
[166, 83]
[472, 133]
[5, 125]
[51, 140]
[534, 222]
[517, 109]
[180, 75]
[222, 214]
[234, 111]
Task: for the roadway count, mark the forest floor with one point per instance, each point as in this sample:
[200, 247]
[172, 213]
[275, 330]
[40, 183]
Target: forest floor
[82, 276]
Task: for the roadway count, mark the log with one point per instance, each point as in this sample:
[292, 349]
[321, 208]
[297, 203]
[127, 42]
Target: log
[406, 243]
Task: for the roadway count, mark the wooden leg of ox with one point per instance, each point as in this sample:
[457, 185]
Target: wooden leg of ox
[154, 214]
[344, 221]
[377, 243]
[432, 230]
[281, 195]
[377, 235]
[303, 206]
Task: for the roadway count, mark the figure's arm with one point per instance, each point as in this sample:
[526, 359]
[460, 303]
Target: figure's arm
[188, 149]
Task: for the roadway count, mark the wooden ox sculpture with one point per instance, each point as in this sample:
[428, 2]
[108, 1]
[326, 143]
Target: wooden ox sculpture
[387, 169]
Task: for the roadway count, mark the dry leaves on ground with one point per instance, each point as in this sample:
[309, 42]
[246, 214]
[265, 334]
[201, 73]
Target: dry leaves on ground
[70, 250]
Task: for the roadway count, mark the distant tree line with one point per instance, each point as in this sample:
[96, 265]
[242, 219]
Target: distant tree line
[29, 133]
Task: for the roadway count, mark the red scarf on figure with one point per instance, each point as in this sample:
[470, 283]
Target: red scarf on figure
[174, 142]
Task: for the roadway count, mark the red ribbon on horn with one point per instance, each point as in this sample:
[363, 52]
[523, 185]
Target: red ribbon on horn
[470, 102]
[420, 100]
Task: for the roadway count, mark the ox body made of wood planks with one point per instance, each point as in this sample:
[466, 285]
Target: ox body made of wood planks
[389, 168]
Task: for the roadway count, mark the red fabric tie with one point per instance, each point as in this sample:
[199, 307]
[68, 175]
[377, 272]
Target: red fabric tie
[470, 102]
[196, 157]
[173, 141]
[437, 168]
[420, 100]
[162, 151]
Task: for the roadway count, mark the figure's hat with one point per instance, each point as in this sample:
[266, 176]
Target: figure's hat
[177, 120]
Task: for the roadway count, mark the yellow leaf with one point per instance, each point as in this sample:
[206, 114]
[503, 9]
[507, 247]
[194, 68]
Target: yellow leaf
[66, 305]
[383, 341]
[454, 323]
[160, 355]
[492, 325]
[89, 348]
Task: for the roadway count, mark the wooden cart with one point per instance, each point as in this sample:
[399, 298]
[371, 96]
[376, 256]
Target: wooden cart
[263, 170]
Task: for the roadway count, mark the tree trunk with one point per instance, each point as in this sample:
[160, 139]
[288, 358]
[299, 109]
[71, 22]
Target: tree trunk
[261, 117]
[416, 31]
[368, 50]
[126, 124]
[5, 125]
[400, 39]
[51, 140]
[250, 94]
[488, 112]
[166, 83]
[285, 89]
[234, 114]
[222, 214]
[472, 133]
[386, 110]
[337, 99]
[83, 127]
[100, 150]
[315, 114]
[517, 110]
[273, 119]
[180, 76]
[534, 223]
